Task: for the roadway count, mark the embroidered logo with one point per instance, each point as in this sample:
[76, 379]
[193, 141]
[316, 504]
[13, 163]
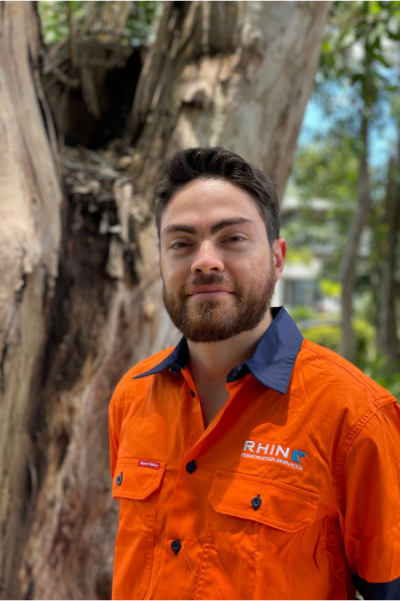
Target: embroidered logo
[154, 465]
[274, 453]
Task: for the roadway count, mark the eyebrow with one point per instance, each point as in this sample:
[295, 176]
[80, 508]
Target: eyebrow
[217, 227]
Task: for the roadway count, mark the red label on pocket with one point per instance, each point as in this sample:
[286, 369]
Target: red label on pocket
[151, 464]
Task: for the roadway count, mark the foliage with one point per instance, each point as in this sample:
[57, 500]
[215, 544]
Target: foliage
[307, 232]
[302, 312]
[327, 336]
[328, 169]
[325, 169]
[329, 289]
[359, 52]
[141, 20]
[54, 19]
[358, 79]
[299, 254]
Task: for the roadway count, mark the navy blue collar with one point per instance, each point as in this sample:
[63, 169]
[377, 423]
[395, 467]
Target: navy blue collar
[272, 362]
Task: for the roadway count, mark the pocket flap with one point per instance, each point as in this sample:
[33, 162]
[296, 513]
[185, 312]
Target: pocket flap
[282, 506]
[137, 478]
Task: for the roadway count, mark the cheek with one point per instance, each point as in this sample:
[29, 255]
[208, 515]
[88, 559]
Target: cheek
[250, 268]
[173, 273]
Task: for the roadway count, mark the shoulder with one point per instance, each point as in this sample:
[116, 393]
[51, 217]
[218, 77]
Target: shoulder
[335, 401]
[325, 370]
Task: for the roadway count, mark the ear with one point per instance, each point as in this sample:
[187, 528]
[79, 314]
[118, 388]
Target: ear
[279, 251]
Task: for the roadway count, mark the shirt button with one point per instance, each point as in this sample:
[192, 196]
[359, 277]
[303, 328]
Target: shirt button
[256, 502]
[191, 466]
[176, 546]
[192, 393]
[119, 479]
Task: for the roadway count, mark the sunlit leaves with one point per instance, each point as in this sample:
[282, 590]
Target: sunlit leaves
[56, 26]
[358, 47]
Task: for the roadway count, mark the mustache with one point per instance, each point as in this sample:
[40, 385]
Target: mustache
[212, 279]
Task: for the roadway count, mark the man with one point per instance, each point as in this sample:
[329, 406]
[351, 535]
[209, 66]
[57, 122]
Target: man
[248, 463]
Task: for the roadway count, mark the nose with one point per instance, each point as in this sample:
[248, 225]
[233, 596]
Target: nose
[207, 259]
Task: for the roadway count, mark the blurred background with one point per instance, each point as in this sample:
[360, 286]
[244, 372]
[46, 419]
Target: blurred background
[93, 96]
[341, 209]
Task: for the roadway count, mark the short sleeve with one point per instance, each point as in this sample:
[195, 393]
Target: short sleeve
[370, 498]
[113, 432]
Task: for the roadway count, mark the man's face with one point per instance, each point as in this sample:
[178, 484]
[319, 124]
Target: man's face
[217, 266]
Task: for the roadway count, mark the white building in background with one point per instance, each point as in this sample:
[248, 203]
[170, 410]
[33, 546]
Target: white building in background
[299, 283]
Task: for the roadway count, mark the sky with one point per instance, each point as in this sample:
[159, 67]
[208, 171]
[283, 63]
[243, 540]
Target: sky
[383, 135]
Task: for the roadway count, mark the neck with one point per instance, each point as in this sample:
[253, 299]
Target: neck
[215, 360]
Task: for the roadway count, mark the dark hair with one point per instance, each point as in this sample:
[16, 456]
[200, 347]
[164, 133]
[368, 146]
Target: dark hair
[216, 162]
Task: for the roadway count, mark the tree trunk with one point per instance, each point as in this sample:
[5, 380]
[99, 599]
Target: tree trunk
[236, 74]
[29, 244]
[350, 253]
[388, 342]
[231, 73]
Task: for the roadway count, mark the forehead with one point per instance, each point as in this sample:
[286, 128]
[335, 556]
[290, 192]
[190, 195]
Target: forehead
[203, 202]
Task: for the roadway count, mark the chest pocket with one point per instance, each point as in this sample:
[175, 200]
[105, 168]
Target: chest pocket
[255, 527]
[136, 484]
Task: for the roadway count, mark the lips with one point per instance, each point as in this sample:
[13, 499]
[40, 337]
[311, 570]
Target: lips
[207, 291]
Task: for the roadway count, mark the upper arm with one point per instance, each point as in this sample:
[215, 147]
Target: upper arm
[370, 494]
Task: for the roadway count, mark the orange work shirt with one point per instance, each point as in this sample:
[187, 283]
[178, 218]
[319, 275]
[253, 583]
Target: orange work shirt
[292, 492]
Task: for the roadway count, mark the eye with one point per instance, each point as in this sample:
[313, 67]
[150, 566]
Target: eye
[179, 245]
[234, 238]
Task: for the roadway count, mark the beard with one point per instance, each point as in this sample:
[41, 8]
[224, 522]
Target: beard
[215, 320]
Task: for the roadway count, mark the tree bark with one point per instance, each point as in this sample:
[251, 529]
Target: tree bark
[75, 313]
[350, 253]
[388, 342]
[244, 86]
[29, 243]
